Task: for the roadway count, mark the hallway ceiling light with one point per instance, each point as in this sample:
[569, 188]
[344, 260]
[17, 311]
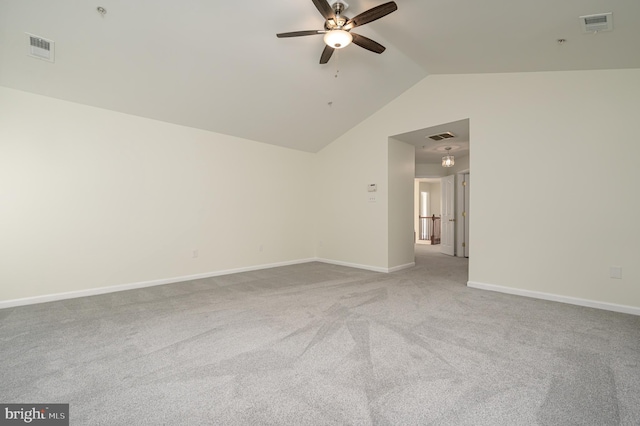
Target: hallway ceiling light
[448, 160]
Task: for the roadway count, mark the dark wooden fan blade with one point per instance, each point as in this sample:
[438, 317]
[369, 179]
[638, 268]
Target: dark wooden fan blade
[367, 43]
[326, 54]
[300, 33]
[324, 8]
[371, 15]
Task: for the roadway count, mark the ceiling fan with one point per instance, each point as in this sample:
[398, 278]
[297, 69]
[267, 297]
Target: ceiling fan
[337, 27]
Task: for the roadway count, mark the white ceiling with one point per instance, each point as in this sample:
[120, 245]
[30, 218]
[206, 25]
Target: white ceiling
[217, 65]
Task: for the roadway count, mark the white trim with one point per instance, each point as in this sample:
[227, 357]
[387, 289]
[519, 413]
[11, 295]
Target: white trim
[367, 267]
[632, 310]
[354, 265]
[131, 286]
[401, 267]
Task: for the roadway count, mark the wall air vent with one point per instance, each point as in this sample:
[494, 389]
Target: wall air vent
[441, 136]
[41, 48]
[596, 23]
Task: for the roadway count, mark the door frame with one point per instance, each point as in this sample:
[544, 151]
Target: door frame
[462, 227]
[448, 214]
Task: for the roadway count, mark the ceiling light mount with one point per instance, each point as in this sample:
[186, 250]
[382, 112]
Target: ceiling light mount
[339, 6]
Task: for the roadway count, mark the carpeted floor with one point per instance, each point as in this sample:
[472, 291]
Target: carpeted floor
[319, 344]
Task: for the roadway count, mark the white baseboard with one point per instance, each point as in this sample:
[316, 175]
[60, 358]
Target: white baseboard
[365, 267]
[401, 267]
[557, 298]
[131, 286]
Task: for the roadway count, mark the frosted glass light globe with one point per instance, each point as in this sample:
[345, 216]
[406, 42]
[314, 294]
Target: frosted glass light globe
[338, 39]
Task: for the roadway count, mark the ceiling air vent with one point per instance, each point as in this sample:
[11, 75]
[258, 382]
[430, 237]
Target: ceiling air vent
[440, 136]
[597, 23]
[41, 48]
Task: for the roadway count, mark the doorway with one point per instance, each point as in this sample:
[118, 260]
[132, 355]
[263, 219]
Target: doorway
[427, 211]
[431, 145]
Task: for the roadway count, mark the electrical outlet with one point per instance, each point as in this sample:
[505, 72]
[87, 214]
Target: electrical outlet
[615, 272]
[194, 254]
[372, 198]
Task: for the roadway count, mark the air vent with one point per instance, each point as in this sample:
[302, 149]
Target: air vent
[597, 23]
[440, 136]
[41, 48]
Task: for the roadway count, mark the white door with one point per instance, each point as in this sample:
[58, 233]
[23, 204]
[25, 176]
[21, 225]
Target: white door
[447, 239]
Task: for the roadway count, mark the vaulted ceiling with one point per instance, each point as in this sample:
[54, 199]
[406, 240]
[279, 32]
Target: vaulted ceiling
[217, 65]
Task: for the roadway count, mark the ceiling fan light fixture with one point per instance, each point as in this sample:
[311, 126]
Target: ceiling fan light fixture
[338, 39]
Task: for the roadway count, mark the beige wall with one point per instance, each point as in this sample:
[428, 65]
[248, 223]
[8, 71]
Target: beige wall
[436, 170]
[537, 139]
[430, 170]
[92, 198]
[434, 191]
[401, 179]
[351, 229]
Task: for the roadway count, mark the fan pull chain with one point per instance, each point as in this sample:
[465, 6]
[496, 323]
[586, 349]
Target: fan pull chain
[337, 63]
